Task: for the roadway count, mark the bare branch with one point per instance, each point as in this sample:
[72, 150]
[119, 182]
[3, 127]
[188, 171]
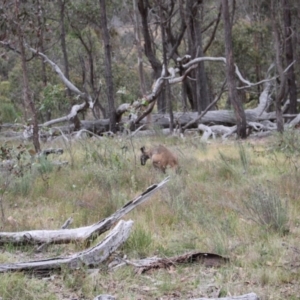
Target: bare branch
[64, 79]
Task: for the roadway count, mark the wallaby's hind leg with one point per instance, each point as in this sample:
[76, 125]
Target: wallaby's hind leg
[157, 165]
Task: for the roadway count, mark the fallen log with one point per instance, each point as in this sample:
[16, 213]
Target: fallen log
[42, 247]
[146, 264]
[250, 296]
[89, 258]
[82, 234]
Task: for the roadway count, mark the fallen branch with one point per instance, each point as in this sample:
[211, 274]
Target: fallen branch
[88, 258]
[251, 296]
[45, 245]
[82, 234]
[144, 265]
[46, 152]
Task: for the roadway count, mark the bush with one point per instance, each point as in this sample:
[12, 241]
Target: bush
[265, 207]
[8, 114]
[139, 241]
[288, 142]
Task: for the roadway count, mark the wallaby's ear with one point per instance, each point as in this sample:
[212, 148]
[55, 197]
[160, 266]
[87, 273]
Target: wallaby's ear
[143, 149]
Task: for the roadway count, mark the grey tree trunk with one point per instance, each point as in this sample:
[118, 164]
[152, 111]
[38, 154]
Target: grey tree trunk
[289, 55]
[108, 69]
[29, 107]
[281, 93]
[63, 40]
[230, 74]
[201, 82]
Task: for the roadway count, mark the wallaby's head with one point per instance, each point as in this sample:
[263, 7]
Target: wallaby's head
[144, 156]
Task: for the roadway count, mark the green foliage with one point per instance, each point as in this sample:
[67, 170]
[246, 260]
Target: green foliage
[248, 50]
[53, 99]
[21, 186]
[288, 142]
[139, 242]
[4, 89]
[126, 82]
[8, 113]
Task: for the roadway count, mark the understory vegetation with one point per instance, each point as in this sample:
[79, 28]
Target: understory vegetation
[239, 199]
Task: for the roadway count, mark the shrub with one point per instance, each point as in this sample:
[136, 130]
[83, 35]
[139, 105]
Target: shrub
[139, 241]
[265, 207]
[8, 113]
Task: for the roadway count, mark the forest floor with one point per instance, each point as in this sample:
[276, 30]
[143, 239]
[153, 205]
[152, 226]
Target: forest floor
[236, 199]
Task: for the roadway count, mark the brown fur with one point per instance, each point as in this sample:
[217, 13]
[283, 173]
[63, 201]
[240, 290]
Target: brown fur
[161, 158]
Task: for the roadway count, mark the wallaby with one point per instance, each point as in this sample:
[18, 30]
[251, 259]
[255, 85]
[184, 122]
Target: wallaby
[161, 157]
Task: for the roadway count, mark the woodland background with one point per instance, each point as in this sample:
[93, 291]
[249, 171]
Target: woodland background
[66, 64]
[110, 53]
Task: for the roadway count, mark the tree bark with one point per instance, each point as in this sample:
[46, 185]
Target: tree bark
[139, 48]
[63, 39]
[201, 82]
[150, 52]
[150, 263]
[289, 54]
[251, 296]
[230, 73]
[30, 113]
[89, 258]
[282, 78]
[108, 68]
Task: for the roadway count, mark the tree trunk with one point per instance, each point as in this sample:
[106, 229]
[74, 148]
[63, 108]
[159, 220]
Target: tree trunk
[289, 54]
[30, 111]
[230, 74]
[63, 40]
[108, 69]
[201, 82]
[190, 86]
[139, 49]
[166, 86]
[282, 78]
[149, 51]
[41, 24]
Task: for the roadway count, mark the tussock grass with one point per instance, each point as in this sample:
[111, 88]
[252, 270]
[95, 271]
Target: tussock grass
[239, 199]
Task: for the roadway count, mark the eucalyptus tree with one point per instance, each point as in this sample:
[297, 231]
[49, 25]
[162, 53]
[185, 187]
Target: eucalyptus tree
[230, 73]
[20, 24]
[62, 16]
[108, 68]
[289, 32]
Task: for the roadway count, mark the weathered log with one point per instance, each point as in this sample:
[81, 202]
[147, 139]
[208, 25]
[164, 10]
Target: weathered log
[146, 264]
[89, 258]
[83, 234]
[250, 296]
[42, 247]
[104, 297]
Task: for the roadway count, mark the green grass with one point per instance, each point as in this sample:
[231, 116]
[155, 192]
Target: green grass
[240, 200]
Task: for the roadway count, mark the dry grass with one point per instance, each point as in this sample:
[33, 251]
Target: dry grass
[203, 208]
